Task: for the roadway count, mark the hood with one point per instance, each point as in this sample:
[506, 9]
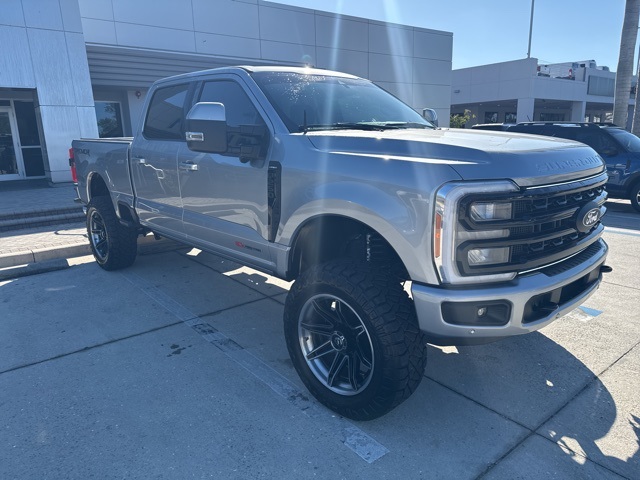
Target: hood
[474, 155]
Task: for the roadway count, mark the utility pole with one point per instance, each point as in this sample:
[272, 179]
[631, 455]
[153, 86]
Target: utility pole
[533, 2]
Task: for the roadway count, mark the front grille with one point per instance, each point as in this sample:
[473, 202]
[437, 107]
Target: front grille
[544, 226]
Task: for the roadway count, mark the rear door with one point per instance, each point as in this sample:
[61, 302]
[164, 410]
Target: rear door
[154, 164]
[224, 196]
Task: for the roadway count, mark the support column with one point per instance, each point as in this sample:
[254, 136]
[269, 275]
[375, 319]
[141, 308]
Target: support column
[578, 111]
[525, 109]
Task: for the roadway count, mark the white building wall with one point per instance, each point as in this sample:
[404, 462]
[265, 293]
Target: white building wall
[43, 49]
[498, 87]
[412, 63]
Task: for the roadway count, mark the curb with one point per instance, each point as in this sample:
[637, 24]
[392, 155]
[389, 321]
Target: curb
[33, 269]
[31, 262]
[14, 259]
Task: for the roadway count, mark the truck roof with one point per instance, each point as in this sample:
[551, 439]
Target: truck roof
[270, 68]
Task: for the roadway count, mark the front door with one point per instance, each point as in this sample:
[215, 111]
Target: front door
[11, 166]
[224, 196]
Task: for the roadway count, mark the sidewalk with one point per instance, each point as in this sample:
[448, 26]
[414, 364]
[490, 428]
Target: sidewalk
[39, 222]
[47, 226]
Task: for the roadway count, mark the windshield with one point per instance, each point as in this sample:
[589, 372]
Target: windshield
[323, 102]
[628, 140]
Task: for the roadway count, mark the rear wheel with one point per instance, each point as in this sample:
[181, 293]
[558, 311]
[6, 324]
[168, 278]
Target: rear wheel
[353, 337]
[635, 196]
[114, 246]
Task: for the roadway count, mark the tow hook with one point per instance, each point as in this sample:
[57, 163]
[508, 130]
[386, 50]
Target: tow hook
[606, 269]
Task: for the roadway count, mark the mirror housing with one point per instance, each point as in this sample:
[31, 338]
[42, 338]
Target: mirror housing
[430, 115]
[206, 128]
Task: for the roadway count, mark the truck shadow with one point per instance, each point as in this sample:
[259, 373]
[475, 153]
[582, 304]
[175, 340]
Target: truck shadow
[537, 383]
[532, 381]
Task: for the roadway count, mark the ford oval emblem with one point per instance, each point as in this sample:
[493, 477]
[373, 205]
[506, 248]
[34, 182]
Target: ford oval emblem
[588, 216]
[591, 217]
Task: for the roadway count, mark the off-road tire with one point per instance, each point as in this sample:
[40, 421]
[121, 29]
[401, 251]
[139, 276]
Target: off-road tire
[114, 246]
[635, 196]
[364, 294]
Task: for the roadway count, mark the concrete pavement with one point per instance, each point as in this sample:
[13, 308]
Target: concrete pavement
[177, 368]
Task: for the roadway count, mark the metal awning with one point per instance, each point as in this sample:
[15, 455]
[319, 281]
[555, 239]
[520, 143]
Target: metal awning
[139, 68]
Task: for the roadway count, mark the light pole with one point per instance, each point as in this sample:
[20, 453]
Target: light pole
[533, 2]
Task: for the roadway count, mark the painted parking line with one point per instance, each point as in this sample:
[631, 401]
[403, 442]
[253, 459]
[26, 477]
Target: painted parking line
[365, 446]
[590, 311]
[583, 314]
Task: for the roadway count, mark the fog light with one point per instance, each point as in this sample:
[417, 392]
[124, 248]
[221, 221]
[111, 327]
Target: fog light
[495, 314]
[487, 256]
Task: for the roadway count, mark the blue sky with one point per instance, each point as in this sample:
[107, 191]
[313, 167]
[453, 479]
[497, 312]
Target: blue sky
[489, 31]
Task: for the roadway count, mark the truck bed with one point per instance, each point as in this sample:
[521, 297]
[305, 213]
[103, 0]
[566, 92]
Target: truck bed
[107, 157]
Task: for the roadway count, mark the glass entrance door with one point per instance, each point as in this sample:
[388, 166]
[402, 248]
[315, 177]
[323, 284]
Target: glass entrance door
[11, 167]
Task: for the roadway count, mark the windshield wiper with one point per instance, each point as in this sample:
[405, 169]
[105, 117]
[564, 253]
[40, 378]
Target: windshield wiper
[342, 126]
[367, 126]
[405, 125]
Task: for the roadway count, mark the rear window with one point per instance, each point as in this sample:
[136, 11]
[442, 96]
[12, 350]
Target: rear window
[166, 113]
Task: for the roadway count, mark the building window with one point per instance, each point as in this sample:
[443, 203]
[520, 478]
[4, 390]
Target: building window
[29, 139]
[510, 117]
[109, 119]
[602, 86]
[490, 117]
[551, 117]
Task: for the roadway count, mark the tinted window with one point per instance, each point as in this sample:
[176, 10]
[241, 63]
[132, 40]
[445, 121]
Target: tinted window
[628, 140]
[166, 113]
[595, 138]
[239, 109]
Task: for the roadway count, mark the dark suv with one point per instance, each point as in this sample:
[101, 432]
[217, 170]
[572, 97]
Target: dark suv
[619, 149]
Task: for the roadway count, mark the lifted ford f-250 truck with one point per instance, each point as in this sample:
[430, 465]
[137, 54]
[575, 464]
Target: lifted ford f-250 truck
[326, 179]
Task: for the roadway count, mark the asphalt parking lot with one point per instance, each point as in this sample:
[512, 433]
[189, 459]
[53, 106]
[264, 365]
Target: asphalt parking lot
[177, 368]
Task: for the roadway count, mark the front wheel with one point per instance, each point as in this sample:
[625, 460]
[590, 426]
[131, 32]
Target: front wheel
[635, 196]
[114, 246]
[353, 337]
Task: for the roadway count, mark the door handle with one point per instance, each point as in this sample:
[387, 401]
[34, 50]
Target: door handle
[139, 160]
[188, 166]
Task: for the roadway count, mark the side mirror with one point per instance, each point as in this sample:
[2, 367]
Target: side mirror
[206, 128]
[430, 115]
[610, 151]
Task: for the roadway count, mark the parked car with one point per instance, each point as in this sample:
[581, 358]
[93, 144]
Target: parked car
[619, 149]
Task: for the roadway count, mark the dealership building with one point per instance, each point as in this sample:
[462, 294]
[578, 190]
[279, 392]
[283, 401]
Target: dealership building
[528, 90]
[82, 68]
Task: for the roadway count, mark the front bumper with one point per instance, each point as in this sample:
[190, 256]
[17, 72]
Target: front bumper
[578, 280]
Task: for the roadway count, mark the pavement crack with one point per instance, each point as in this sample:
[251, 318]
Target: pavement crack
[620, 285]
[86, 349]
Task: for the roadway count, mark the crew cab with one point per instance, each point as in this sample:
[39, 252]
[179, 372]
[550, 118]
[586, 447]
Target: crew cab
[326, 179]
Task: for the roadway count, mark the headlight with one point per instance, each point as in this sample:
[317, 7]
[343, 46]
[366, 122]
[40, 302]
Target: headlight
[449, 234]
[482, 212]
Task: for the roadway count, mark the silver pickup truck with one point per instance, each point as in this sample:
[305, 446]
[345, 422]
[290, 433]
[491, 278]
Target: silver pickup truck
[396, 233]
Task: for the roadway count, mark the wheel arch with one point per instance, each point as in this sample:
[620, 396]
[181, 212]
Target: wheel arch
[329, 236]
[96, 186]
